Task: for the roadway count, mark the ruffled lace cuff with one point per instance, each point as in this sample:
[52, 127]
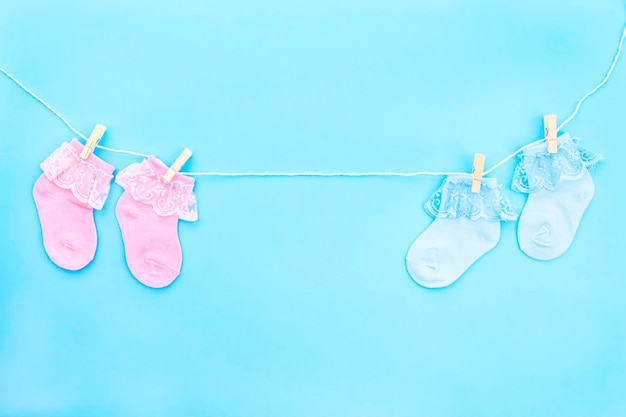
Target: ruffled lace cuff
[144, 181]
[89, 180]
[454, 199]
[538, 169]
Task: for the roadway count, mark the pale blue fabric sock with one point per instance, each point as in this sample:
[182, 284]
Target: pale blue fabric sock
[466, 226]
[559, 188]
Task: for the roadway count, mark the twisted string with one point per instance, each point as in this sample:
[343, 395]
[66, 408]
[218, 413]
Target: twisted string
[335, 174]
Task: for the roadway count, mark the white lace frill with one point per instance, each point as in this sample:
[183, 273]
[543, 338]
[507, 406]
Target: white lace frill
[538, 169]
[147, 186]
[454, 199]
[88, 183]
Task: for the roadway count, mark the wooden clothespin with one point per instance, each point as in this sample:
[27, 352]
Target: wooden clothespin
[177, 165]
[93, 140]
[477, 172]
[549, 124]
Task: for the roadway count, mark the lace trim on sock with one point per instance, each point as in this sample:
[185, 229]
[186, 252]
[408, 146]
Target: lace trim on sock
[454, 199]
[543, 170]
[88, 183]
[166, 198]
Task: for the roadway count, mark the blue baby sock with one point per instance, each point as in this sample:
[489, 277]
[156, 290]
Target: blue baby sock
[466, 226]
[559, 188]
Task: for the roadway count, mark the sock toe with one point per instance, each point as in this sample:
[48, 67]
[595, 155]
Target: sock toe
[543, 238]
[154, 269]
[69, 252]
[424, 268]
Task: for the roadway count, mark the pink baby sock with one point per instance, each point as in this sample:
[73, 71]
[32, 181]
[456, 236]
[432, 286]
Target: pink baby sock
[65, 195]
[148, 214]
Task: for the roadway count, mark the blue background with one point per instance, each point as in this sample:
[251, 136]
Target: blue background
[293, 298]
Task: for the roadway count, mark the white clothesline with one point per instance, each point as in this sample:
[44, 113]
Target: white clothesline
[334, 174]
